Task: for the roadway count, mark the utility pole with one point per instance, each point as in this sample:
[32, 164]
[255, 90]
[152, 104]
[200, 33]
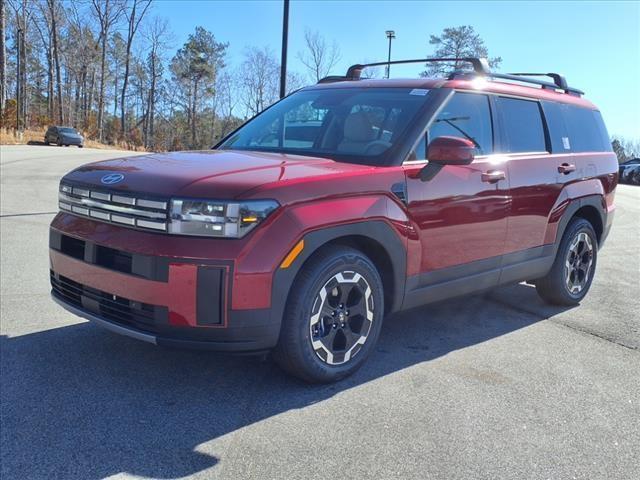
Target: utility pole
[283, 58]
[390, 35]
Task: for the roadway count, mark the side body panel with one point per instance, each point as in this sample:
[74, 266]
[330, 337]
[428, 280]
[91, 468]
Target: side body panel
[459, 217]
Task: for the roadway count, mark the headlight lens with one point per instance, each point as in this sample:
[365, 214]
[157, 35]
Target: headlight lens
[209, 218]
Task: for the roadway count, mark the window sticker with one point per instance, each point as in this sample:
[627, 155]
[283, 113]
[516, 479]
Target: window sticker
[565, 143]
[419, 91]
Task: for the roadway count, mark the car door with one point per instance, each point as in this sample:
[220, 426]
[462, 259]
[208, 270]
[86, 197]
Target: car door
[460, 214]
[549, 145]
[533, 175]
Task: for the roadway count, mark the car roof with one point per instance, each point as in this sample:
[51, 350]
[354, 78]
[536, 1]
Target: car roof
[476, 84]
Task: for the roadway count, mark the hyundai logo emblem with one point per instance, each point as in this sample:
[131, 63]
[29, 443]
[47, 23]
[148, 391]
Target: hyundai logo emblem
[112, 178]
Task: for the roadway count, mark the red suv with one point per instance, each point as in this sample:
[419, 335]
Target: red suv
[340, 204]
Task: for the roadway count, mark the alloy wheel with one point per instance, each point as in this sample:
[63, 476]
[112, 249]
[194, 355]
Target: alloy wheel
[341, 317]
[578, 263]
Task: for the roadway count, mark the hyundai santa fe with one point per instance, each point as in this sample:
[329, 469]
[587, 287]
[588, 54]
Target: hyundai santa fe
[342, 203]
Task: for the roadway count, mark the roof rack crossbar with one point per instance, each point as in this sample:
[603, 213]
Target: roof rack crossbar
[480, 65]
[558, 79]
[560, 84]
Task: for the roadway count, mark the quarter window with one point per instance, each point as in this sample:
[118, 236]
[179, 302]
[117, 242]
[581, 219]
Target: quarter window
[521, 125]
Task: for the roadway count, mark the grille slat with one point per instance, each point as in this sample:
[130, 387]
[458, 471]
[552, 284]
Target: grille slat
[104, 299]
[122, 310]
[112, 207]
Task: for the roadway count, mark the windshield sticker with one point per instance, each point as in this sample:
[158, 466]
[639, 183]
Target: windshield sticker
[418, 91]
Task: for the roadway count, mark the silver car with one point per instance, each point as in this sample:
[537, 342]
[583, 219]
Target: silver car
[63, 136]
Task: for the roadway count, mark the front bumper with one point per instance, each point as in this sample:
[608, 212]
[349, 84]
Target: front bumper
[257, 345]
[175, 301]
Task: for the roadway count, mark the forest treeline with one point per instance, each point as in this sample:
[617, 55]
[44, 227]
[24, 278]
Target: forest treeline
[110, 68]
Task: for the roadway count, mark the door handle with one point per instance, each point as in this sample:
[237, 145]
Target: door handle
[566, 168]
[493, 176]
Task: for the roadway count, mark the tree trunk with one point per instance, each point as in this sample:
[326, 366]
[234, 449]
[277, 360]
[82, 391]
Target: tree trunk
[92, 86]
[103, 56]
[152, 104]
[115, 90]
[50, 84]
[193, 114]
[56, 60]
[3, 61]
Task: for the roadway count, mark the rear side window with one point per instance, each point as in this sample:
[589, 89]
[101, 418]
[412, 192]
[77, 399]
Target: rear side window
[575, 129]
[522, 126]
[466, 115]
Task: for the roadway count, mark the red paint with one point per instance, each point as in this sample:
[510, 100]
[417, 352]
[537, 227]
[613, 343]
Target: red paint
[458, 217]
[465, 213]
[451, 151]
[178, 294]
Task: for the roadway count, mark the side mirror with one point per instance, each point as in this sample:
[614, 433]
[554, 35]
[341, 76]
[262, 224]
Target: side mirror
[451, 151]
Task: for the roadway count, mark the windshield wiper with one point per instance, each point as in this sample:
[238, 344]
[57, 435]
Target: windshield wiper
[449, 121]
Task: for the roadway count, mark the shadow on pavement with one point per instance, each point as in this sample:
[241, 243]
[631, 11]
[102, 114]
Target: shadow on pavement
[36, 142]
[79, 402]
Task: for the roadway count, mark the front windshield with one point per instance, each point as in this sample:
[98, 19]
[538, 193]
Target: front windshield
[67, 130]
[358, 125]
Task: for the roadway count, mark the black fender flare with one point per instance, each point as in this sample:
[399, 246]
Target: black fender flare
[376, 230]
[596, 201]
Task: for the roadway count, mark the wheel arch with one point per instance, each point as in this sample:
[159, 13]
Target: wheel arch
[591, 208]
[374, 238]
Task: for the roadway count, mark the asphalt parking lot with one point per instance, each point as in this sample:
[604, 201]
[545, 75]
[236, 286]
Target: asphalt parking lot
[496, 386]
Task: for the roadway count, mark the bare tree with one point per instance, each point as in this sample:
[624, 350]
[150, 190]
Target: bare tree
[52, 4]
[3, 59]
[158, 36]
[23, 13]
[44, 31]
[319, 57]
[259, 79]
[107, 12]
[134, 13]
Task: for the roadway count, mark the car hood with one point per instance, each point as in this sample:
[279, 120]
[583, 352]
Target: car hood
[207, 174]
[73, 136]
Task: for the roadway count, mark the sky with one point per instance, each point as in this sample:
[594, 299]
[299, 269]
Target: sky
[596, 45]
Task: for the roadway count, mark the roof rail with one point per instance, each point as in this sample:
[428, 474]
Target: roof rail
[480, 67]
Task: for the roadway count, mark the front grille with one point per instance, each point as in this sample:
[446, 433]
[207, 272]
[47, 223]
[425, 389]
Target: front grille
[119, 310]
[145, 266]
[114, 207]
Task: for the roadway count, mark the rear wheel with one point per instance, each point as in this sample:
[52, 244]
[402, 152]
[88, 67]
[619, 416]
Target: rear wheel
[333, 317]
[572, 273]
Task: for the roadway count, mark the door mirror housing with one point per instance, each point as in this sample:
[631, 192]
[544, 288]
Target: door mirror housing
[451, 151]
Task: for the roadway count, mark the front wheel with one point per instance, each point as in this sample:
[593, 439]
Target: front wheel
[572, 272]
[333, 316]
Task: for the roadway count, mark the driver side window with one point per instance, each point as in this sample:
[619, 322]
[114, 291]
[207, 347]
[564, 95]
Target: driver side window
[466, 115]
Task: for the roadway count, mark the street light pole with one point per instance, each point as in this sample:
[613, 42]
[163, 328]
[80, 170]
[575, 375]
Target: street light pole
[283, 59]
[390, 35]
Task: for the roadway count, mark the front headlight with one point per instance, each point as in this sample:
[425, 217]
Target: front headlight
[209, 218]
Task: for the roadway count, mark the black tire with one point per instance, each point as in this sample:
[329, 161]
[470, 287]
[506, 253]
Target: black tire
[572, 272]
[330, 270]
[80, 146]
[59, 143]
